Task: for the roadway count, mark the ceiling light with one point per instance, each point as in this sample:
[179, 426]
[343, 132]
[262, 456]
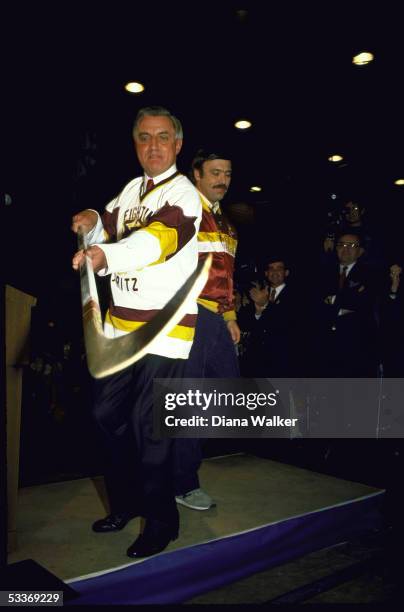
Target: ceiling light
[363, 58]
[255, 188]
[134, 87]
[335, 158]
[243, 124]
[399, 182]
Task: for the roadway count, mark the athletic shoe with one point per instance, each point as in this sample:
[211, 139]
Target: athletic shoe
[196, 499]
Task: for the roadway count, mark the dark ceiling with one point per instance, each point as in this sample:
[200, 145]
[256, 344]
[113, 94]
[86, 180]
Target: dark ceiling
[285, 67]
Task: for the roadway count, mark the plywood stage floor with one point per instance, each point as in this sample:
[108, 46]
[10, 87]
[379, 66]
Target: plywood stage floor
[54, 520]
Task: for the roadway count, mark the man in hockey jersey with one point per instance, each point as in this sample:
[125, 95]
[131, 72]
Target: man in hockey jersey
[146, 241]
[213, 353]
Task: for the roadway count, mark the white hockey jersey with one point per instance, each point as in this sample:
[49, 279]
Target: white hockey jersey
[150, 243]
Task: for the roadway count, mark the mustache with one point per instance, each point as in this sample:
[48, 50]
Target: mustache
[220, 186]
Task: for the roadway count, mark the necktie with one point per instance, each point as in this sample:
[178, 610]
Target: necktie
[342, 277]
[149, 186]
[272, 295]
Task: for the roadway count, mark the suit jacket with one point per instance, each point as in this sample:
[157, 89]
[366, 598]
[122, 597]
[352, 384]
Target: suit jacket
[271, 344]
[348, 332]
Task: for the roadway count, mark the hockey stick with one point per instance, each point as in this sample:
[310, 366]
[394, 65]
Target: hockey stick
[107, 356]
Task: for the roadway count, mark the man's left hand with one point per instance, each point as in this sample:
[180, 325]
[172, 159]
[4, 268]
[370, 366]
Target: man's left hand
[96, 255]
[234, 331]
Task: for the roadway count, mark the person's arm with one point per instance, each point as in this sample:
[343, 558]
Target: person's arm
[230, 318]
[234, 330]
[260, 297]
[167, 231]
[395, 272]
[98, 230]
[360, 292]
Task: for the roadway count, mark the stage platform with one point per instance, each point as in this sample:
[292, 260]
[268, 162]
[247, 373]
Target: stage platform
[267, 514]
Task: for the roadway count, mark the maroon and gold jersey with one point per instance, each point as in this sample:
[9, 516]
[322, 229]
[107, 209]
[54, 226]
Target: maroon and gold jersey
[217, 236]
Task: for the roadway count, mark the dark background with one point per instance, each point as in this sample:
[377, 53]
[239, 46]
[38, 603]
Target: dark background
[286, 67]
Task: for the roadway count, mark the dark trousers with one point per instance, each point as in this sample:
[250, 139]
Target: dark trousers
[213, 355]
[138, 468]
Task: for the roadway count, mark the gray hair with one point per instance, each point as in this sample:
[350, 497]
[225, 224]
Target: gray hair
[158, 111]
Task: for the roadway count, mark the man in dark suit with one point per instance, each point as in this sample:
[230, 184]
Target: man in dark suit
[271, 324]
[348, 334]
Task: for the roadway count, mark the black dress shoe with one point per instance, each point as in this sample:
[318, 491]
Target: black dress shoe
[155, 538]
[112, 522]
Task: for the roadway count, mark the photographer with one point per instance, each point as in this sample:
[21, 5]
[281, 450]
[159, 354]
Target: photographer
[350, 218]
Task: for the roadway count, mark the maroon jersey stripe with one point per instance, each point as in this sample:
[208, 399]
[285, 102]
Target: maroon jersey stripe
[142, 316]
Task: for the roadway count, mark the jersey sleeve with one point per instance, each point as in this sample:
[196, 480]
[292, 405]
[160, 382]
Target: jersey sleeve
[167, 231]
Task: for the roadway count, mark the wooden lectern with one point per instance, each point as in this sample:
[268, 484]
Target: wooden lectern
[18, 325]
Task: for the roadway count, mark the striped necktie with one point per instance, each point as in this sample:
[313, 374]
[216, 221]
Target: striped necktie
[149, 186]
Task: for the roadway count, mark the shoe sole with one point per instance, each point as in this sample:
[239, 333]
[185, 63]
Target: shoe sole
[151, 553]
[180, 501]
[107, 530]
[115, 529]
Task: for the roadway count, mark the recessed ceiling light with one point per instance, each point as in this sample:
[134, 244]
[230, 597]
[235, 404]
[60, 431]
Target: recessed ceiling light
[399, 182]
[243, 124]
[134, 87]
[363, 58]
[335, 158]
[255, 188]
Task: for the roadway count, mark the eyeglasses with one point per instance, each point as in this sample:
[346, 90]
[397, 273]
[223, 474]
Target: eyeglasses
[348, 245]
[348, 209]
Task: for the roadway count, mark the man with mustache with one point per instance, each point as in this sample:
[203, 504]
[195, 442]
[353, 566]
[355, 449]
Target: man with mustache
[213, 354]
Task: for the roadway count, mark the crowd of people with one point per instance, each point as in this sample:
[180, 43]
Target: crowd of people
[343, 319]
